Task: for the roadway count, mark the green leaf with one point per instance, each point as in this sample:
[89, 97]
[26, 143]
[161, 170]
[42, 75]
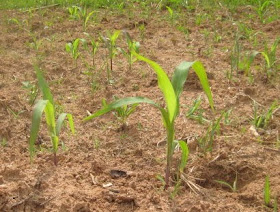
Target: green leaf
[76, 44]
[43, 85]
[201, 73]
[267, 191]
[50, 118]
[88, 17]
[35, 126]
[119, 103]
[60, 121]
[179, 78]
[225, 184]
[71, 123]
[164, 85]
[185, 155]
[68, 47]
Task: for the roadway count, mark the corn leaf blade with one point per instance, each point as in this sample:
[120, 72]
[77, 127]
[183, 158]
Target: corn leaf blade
[164, 85]
[43, 85]
[185, 155]
[119, 103]
[201, 73]
[35, 126]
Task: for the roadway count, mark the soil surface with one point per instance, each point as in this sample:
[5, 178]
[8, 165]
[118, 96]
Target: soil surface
[107, 167]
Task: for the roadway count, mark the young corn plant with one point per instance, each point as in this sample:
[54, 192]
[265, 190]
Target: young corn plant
[270, 57]
[85, 16]
[267, 196]
[74, 12]
[132, 47]
[94, 47]
[73, 49]
[110, 43]
[263, 8]
[171, 90]
[46, 105]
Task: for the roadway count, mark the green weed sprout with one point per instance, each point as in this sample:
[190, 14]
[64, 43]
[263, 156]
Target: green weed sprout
[46, 105]
[206, 141]
[171, 91]
[110, 42]
[171, 14]
[262, 120]
[73, 49]
[232, 187]
[195, 112]
[32, 89]
[132, 46]
[123, 112]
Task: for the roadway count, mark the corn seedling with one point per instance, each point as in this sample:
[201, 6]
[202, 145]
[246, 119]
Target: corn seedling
[73, 12]
[235, 57]
[263, 8]
[262, 120]
[47, 106]
[36, 43]
[32, 91]
[85, 16]
[270, 57]
[171, 91]
[195, 112]
[132, 46]
[232, 187]
[245, 64]
[110, 43]
[94, 47]
[267, 195]
[73, 49]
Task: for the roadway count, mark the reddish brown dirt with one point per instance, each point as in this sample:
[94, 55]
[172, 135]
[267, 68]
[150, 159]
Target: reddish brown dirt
[99, 146]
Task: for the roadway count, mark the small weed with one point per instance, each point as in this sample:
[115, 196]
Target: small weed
[196, 113]
[123, 112]
[232, 187]
[206, 142]
[32, 91]
[4, 142]
[262, 120]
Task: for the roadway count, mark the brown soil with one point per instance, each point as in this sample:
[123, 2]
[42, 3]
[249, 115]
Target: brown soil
[83, 179]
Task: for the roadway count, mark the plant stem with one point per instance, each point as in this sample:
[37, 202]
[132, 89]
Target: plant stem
[54, 159]
[170, 139]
